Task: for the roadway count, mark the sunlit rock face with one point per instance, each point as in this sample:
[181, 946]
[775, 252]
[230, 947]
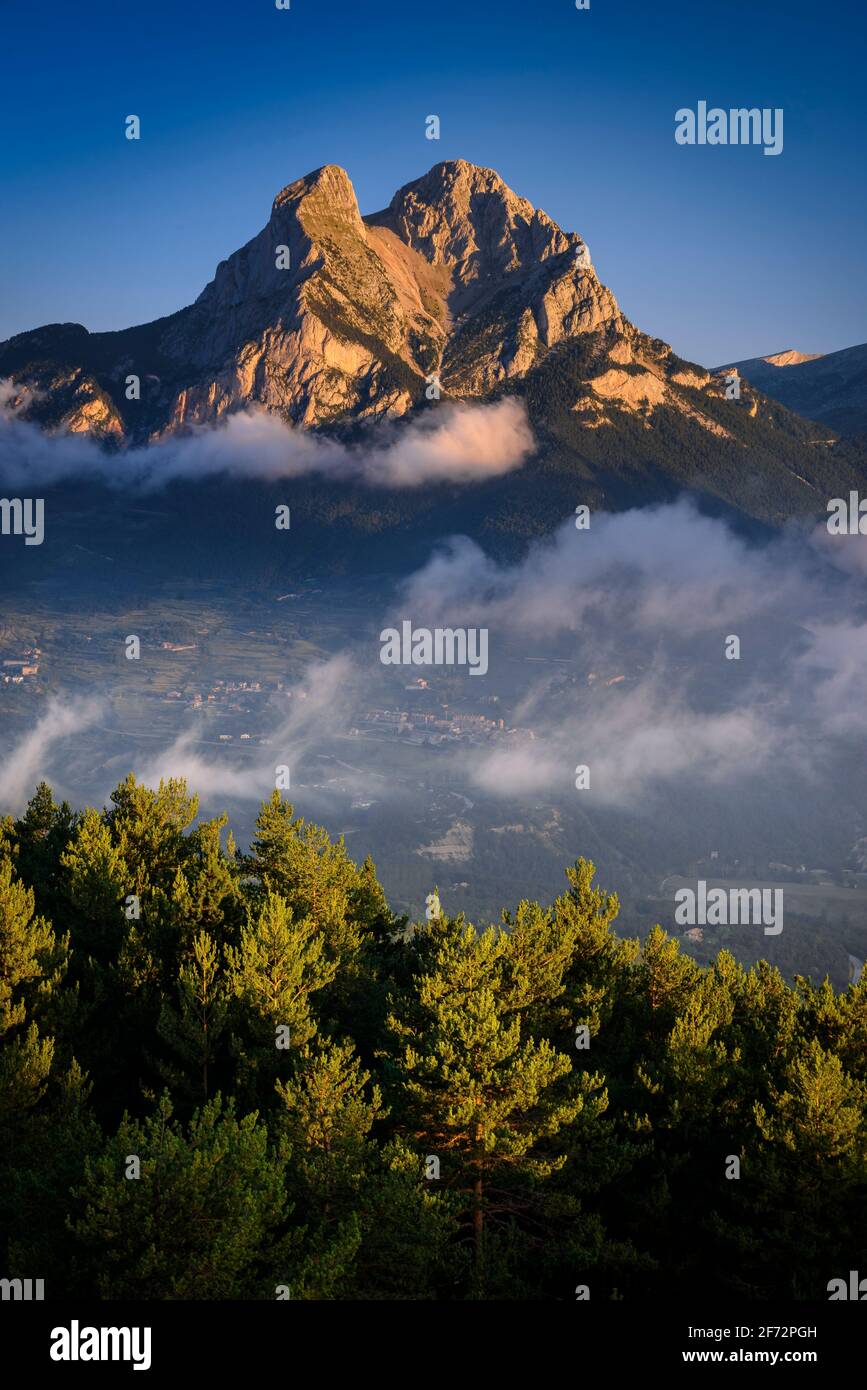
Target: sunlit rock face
[458, 289]
[326, 315]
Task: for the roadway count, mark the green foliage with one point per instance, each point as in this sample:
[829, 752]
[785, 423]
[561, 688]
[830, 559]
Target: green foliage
[198, 1221]
[279, 965]
[194, 1027]
[32, 964]
[325, 1097]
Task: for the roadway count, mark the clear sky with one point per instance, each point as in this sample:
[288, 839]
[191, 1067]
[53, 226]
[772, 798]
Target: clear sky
[722, 251]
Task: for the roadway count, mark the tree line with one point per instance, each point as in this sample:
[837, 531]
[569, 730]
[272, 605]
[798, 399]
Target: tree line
[232, 1074]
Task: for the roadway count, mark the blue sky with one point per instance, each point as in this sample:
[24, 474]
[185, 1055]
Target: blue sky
[722, 251]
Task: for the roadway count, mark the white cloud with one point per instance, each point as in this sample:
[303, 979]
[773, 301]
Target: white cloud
[651, 594]
[452, 443]
[38, 754]
[319, 701]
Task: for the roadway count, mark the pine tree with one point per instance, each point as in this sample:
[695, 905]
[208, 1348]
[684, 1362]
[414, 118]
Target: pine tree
[42, 1156]
[571, 1100]
[800, 1215]
[479, 1096]
[206, 893]
[314, 874]
[194, 1027]
[369, 908]
[410, 1245]
[148, 829]
[203, 1220]
[96, 881]
[598, 978]
[328, 1120]
[41, 835]
[279, 965]
[328, 1113]
[116, 963]
[373, 1227]
[32, 964]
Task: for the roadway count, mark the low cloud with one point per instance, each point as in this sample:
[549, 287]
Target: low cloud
[320, 701]
[453, 443]
[610, 646]
[665, 569]
[41, 753]
[632, 743]
[647, 600]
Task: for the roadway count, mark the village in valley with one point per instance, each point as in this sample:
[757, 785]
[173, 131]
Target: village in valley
[430, 723]
[25, 667]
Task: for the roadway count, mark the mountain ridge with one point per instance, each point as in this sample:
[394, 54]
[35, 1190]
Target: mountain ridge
[459, 290]
[458, 277]
[829, 387]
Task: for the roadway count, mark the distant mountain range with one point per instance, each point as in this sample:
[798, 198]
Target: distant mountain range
[334, 321]
[830, 387]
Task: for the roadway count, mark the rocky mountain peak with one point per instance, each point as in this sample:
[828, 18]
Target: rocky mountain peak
[459, 290]
[465, 217]
[326, 316]
[317, 209]
[330, 185]
[790, 358]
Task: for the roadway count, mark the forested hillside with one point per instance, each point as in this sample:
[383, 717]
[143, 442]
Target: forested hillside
[230, 1075]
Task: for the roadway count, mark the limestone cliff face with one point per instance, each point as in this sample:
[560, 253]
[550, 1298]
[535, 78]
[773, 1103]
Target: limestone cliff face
[327, 316]
[516, 285]
[304, 319]
[69, 398]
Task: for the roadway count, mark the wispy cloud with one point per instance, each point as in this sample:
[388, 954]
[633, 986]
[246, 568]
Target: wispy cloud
[452, 443]
[654, 593]
[40, 752]
[320, 700]
[648, 595]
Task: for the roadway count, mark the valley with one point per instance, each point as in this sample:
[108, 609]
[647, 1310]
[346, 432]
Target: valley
[404, 766]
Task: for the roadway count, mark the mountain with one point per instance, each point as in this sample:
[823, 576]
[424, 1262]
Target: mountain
[457, 276]
[458, 279]
[829, 387]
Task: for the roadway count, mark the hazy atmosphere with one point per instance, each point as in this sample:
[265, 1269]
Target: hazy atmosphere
[433, 646]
